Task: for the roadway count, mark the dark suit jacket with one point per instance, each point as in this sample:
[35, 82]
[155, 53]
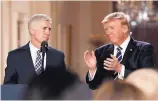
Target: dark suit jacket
[20, 68]
[138, 54]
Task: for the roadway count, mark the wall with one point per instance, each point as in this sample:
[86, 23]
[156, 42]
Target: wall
[83, 16]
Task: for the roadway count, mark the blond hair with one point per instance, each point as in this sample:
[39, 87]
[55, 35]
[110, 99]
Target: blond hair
[118, 90]
[117, 15]
[149, 78]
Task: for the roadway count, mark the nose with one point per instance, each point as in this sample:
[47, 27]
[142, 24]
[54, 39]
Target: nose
[47, 31]
[107, 32]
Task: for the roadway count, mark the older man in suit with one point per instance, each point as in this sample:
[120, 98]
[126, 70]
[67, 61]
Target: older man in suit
[119, 58]
[25, 62]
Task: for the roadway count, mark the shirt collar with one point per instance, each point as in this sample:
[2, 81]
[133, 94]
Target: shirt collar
[33, 48]
[124, 44]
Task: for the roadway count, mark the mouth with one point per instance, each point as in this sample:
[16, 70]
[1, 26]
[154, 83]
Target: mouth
[110, 36]
[46, 38]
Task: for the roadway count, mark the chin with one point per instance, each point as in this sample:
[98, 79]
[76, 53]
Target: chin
[114, 42]
[45, 39]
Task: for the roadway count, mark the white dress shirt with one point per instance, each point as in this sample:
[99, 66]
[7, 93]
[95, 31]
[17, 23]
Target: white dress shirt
[33, 51]
[123, 46]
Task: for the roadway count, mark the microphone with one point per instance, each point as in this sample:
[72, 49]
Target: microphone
[44, 46]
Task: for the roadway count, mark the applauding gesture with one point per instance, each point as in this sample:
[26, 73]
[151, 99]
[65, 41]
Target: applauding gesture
[90, 60]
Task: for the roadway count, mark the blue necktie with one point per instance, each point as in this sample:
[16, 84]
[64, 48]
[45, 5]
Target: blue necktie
[119, 57]
[119, 54]
[38, 63]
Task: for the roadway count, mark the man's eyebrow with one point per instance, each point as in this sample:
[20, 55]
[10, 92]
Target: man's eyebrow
[47, 27]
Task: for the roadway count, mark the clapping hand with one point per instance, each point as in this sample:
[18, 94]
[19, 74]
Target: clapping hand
[90, 60]
[112, 64]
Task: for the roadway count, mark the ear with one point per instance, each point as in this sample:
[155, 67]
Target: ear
[32, 31]
[125, 28]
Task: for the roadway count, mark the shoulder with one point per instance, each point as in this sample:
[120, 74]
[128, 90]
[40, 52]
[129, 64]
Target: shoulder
[55, 51]
[103, 47]
[18, 50]
[143, 45]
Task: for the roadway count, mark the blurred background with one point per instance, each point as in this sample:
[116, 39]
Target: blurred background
[76, 26]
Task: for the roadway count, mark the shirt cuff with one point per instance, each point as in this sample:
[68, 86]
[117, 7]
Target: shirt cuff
[91, 75]
[121, 74]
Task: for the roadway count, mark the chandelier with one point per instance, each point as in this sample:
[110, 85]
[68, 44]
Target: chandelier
[138, 11]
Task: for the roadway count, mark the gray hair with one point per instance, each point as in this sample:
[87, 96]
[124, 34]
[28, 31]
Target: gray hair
[38, 17]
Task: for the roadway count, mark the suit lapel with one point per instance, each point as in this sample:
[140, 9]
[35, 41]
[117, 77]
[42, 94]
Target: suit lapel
[128, 53]
[111, 49]
[28, 58]
[107, 52]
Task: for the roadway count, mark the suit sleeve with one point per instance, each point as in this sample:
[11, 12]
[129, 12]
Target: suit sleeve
[10, 71]
[98, 78]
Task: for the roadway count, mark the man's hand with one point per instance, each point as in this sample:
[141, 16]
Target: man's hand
[112, 64]
[90, 60]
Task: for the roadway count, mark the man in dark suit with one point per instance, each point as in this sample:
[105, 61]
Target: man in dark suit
[119, 58]
[25, 62]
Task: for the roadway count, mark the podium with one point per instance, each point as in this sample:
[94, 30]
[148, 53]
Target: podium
[16, 92]
[12, 91]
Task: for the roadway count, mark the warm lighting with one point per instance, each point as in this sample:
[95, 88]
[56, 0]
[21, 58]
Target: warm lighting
[97, 39]
[138, 11]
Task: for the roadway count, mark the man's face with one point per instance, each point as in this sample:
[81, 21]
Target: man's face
[41, 31]
[115, 31]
